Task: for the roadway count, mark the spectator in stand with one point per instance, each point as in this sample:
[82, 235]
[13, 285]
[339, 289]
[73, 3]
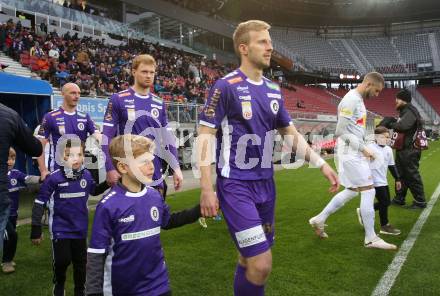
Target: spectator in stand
[54, 53]
[43, 66]
[36, 50]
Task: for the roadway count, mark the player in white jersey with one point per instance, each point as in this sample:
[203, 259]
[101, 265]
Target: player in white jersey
[352, 159]
[379, 167]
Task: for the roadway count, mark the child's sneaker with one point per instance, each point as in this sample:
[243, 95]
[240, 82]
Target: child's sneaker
[8, 267]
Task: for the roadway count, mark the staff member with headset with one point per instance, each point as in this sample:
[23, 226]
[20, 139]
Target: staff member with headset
[407, 155]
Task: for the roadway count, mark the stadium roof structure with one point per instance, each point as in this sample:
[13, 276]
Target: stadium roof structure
[13, 84]
[313, 13]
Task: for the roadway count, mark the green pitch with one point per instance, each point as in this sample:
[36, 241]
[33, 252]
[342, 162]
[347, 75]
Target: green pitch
[202, 261]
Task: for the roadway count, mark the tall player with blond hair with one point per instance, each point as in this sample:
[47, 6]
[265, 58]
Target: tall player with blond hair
[242, 112]
[139, 112]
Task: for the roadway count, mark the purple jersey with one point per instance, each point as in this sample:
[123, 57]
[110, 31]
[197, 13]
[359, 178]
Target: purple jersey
[16, 182]
[246, 114]
[127, 227]
[58, 123]
[130, 113]
[67, 203]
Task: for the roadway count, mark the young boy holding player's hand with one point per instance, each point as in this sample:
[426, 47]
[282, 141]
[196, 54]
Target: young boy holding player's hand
[125, 255]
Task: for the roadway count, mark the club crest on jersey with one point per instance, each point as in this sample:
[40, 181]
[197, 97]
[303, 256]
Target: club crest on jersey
[13, 182]
[154, 213]
[246, 110]
[83, 183]
[81, 126]
[274, 106]
[155, 113]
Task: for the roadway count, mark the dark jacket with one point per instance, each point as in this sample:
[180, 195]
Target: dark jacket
[407, 124]
[13, 132]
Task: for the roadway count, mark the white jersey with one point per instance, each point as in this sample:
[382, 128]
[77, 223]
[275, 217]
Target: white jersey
[379, 167]
[352, 108]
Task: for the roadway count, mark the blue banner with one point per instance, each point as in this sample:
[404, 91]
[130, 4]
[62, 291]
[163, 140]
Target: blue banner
[95, 107]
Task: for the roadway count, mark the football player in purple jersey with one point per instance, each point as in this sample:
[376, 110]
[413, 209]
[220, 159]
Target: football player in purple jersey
[243, 111]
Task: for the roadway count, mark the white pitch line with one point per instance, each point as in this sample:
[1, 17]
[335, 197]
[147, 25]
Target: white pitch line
[387, 281]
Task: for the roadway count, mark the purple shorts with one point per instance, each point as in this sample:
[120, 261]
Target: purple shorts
[248, 208]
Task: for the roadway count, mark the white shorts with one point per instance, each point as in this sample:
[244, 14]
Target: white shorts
[354, 172]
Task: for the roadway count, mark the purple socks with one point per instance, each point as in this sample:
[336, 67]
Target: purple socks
[243, 287]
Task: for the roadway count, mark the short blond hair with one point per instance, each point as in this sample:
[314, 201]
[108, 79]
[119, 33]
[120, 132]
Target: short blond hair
[143, 59]
[374, 76]
[241, 33]
[119, 148]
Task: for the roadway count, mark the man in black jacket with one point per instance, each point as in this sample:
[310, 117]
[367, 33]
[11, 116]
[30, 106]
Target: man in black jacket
[13, 132]
[408, 157]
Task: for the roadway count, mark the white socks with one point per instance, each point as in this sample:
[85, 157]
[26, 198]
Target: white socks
[367, 213]
[338, 202]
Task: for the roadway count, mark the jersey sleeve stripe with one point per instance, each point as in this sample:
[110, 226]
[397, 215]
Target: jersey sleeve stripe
[95, 251]
[208, 124]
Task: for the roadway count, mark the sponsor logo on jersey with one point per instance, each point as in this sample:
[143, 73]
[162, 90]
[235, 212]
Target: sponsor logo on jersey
[361, 121]
[72, 195]
[210, 108]
[154, 213]
[273, 86]
[345, 112]
[65, 184]
[140, 234]
[274, 106]
[126, 219]
[246, 110]
[235, 80]
[131, 114]
[81, 126]
[155, 113]
[274, 96]
[247, 98]
[83, 183]
[243, 89]
[129, 101]
[81, 119]
[250, 237]
[59, 119]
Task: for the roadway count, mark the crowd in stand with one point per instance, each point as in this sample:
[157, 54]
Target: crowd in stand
[101, 70]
